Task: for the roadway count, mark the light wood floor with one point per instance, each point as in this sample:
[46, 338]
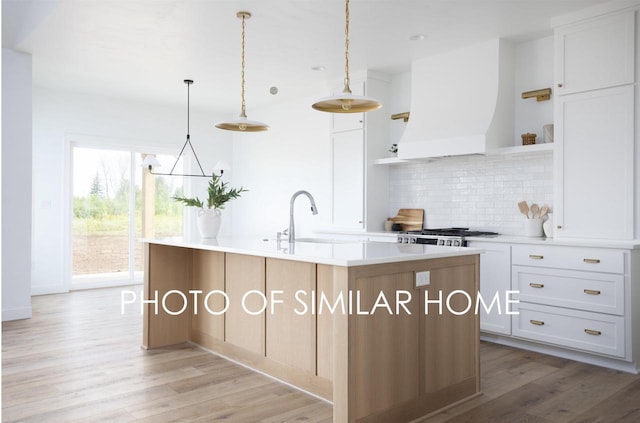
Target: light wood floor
[78, 360]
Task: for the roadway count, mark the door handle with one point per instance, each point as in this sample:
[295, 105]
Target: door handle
[592, 292]
[536, 285]
[535, 257]
[592, 332]
[536, 322]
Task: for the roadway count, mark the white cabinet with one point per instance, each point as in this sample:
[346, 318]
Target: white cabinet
[495, 279]
[595, 54]
[594, 129]
[348, 179]
[360, 189]
[571, 297]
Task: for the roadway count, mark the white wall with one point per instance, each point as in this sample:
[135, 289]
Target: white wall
[62, 116]
[294, 154]
[16, 185]
[400, 102]
[480, 192]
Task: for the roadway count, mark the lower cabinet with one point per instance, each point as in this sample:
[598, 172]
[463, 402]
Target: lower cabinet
[571, 297]
[291, 335]
[574, 301]
[495, 279]
[208, 276]
[583, 330]
[244, 274]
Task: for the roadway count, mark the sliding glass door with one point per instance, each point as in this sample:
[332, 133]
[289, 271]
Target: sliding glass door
[116, 202]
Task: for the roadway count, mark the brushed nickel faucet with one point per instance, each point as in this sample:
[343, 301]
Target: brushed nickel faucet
[314, 210]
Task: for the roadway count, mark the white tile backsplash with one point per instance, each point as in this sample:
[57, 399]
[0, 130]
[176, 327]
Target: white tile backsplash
[480, 192]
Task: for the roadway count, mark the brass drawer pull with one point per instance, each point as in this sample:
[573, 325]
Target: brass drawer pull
[536, 285]
[537, 322]
[594, 261]
[592, 292]
[535, 257]
[593, 332]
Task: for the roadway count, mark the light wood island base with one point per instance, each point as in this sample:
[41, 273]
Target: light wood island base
[376, 367]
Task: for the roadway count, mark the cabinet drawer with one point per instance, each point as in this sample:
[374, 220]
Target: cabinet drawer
[599, 292]
[576, 258]
[593, 332]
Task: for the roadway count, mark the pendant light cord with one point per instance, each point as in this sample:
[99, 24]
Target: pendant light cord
[243, 114]
[188, 141]
[347, 81]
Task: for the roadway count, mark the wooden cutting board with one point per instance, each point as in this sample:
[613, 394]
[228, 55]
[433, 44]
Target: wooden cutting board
[409, 219]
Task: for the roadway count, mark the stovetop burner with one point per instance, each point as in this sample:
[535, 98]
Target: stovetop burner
[444, 236]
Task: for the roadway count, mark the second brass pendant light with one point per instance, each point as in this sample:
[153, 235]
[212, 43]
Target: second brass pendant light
[242, 124]
[346, 102]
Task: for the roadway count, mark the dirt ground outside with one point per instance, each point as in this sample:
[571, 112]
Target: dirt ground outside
[104, 254]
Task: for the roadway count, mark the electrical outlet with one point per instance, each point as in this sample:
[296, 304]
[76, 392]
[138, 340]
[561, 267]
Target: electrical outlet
[423, 278]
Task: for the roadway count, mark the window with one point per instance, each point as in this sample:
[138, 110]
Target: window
[116, 202]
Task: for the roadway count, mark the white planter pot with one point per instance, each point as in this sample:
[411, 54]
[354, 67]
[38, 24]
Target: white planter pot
[209, 222]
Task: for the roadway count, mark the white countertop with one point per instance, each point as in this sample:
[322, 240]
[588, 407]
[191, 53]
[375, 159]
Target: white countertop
[338, 253]
[592, 243]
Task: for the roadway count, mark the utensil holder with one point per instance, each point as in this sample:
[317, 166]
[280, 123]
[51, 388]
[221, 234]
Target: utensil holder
[533, 228]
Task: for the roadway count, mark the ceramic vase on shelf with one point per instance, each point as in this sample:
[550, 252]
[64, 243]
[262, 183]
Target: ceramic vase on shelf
[209, 222]
[547, 226]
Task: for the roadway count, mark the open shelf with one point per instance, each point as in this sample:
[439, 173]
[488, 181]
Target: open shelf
[389, 161]
[523, 149]
[517, 149]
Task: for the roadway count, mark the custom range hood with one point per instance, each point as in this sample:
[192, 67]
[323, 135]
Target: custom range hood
[461, 102]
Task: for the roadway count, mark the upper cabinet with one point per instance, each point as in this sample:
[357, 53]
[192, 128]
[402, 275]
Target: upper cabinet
[598, 53]
[595, 114]
[594, 173]
[360, 189]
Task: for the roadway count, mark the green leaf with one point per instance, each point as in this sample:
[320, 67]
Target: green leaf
[218, 194]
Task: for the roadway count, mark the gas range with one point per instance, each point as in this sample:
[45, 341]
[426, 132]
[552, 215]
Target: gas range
[455, 237]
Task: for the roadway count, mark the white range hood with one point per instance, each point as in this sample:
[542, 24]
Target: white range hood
[461, 102]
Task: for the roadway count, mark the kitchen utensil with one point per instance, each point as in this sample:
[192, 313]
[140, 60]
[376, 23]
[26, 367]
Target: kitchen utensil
[524, 208]
[534, 210]
[543, 211]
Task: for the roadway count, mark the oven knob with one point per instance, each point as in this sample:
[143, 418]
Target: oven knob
[441, 242]
[448, 242]
[456, 242]
[414, 240]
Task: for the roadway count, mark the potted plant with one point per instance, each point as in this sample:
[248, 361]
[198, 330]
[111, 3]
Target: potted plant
[209, 216]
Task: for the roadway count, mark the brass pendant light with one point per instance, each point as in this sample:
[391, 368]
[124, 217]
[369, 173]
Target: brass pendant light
[346, 102]
[242, 124]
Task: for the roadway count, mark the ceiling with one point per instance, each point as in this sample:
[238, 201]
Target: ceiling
[144, 49]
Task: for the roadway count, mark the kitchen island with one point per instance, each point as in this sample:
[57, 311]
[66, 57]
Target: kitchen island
[381, 330]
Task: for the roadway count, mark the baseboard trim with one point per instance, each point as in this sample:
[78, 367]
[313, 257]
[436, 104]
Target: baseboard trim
[596, 360]
[48, 290]
[16, 313]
